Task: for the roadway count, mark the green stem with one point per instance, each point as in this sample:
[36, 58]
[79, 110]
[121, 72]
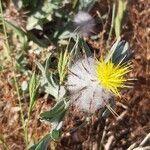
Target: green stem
[27, 125]
[5, 31]
[21, 109]
[112, 24]
[14, 75]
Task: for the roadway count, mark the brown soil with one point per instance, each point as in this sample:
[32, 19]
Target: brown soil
[113, 133]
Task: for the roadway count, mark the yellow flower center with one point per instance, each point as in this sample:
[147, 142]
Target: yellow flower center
[111, 76]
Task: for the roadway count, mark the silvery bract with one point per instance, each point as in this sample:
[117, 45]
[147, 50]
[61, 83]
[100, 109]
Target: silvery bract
[92, 83]
[84, 23]
[85, 90]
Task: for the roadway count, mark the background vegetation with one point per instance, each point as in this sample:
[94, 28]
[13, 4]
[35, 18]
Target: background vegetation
[36, 39]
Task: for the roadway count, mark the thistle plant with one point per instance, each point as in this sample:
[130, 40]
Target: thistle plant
[93, 83]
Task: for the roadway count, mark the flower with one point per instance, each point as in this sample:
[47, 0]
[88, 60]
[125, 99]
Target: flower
[92, 84]
[111, 76]
[84, 23]
[85, 90]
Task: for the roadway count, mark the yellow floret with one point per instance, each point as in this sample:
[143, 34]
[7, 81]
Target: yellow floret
[112, 77]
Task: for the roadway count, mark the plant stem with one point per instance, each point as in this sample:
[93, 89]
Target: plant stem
[122, 4]
[5, 31]
[14, 74]
[21, 109]
[112, 24]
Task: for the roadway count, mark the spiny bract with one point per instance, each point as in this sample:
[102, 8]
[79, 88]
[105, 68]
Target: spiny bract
[92, 83]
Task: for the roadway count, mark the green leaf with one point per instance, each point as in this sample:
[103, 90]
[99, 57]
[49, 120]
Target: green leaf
[21, 34]
[86, 5]
[50, 86]
[41, 13]
[56, 111]
[122, 4]
[55, 134]
[43, 143]
[56, 115]
[24, 36]
[33, 22]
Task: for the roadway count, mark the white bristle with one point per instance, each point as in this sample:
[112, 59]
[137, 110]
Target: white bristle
[84, 23]
[86, 92]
